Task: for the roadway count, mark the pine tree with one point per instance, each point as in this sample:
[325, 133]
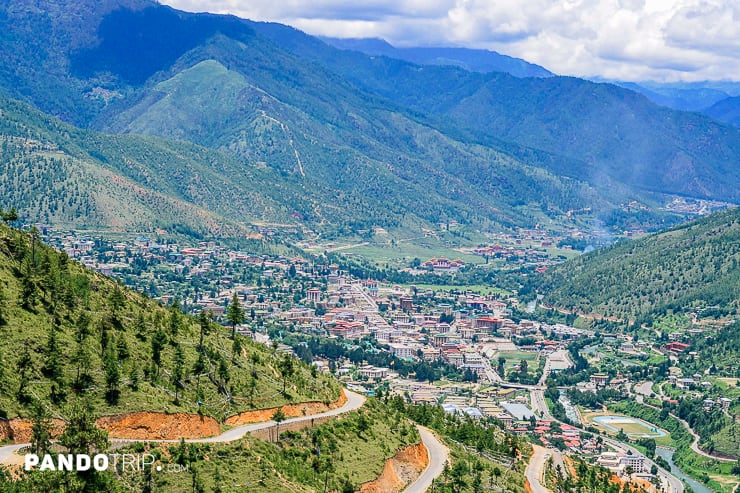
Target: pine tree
[177, 371]
[204, 322]
[159, 339]
[40, 429]
[234, 313]
[112, 376]
[286, 367]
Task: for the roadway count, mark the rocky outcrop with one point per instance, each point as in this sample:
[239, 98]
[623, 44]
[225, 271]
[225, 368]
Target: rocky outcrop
[399, 470]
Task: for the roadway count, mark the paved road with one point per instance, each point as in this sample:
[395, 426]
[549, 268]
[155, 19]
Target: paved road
[354, 401]
[539, 404]
[535, 469]
[6, 453]
[438, 455]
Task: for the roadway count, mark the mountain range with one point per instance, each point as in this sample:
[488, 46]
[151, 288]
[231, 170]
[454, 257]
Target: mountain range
[248, 121]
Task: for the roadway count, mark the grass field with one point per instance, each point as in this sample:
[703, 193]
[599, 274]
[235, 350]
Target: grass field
[402, 253]
[632, 427]
[515, 355]
[476, 288]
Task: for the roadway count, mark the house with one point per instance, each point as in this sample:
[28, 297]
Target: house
[444, 265]
[599, 379]
[685, 383]
[402, 350]
[347, 330]
[487, 323]
[519, 411]
[677, 347]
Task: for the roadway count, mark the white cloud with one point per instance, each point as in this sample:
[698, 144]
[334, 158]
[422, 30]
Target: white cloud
[624, 39]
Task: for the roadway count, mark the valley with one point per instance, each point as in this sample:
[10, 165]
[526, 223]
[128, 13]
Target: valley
[238, 257]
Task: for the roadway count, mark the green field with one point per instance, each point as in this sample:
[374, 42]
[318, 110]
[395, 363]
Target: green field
[403, 252]
[476, 288]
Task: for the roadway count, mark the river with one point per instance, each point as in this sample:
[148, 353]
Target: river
[667, 454]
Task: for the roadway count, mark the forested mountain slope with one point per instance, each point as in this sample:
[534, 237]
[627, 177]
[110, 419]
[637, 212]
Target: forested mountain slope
[693, 265]
[67, 332]
[594, 132]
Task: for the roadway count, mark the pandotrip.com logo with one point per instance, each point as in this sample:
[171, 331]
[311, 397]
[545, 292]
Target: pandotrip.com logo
[120, 463]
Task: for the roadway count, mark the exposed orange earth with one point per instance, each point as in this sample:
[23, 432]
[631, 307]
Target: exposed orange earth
[404, 467]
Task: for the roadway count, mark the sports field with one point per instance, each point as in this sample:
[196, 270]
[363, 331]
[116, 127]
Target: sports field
[632, 427]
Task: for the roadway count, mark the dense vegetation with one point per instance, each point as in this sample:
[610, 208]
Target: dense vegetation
[692, 266]
[67, 332]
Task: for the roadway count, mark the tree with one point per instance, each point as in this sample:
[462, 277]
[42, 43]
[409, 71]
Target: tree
[286, 367]
[112, 376]
[175, 320]
[24, 365]
[82, 437]
[40, 429]
[9, 216]
[159, 339]
[117, 301]
[234, 313]
[278, 417]
[204, 322]
[236, 347]
[53, 355]
[458, 473]
[177, 371]
[140, 327]
[523, 365]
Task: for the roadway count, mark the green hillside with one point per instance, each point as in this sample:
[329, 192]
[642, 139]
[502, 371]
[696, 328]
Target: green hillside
[691, 266]
[68, 332]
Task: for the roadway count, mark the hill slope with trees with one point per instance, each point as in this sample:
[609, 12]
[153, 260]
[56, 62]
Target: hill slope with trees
[67, 332]
[690, 266]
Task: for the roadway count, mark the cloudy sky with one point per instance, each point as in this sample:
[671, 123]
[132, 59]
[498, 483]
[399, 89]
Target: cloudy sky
[663, 40]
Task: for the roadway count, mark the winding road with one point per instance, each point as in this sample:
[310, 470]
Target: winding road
[535, 469]
[644, 390]
[354, 401]
[438, 456]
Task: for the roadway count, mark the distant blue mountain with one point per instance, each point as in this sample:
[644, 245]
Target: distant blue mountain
[469, 59]
[726, 110]
[685, 96]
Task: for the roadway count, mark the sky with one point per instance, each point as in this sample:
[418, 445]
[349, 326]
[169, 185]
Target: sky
[630, 40]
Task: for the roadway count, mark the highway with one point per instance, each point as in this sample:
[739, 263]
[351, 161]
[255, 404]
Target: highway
[539, 404]
[438, 455]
